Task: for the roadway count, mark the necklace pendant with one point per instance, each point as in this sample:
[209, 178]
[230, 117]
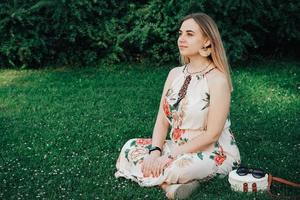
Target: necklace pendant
[199, 77]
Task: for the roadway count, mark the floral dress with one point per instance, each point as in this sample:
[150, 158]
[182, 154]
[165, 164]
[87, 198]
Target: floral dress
[188, 119]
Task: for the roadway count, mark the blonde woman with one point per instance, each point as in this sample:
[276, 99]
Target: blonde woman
[195, 106]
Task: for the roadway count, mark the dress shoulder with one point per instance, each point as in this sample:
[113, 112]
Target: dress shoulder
[175, 73]
[177, 70]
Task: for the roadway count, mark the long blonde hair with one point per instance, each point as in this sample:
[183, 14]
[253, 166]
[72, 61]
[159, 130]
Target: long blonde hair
[218, 54]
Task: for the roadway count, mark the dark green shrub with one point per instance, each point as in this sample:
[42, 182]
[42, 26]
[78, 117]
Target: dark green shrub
[38, 33]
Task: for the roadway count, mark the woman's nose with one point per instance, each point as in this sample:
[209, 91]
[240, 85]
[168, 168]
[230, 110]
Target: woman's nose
[181, 39]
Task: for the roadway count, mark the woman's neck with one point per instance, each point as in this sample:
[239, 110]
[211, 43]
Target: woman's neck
[198, 63]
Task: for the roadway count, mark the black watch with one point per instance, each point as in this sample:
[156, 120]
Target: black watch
[154, 148]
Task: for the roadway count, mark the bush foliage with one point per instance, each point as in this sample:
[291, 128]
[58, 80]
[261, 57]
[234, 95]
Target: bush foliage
[39, 33]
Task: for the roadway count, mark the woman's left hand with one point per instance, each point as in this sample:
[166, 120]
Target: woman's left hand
[161, 163]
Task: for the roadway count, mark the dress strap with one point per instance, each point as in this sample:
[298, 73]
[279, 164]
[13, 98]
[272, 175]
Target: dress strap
[184, 68]
[209, 71]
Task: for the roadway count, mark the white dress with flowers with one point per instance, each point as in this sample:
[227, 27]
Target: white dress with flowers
[187, 120]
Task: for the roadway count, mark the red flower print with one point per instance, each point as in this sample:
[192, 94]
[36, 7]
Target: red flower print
[177, 132]
[137, 154]
[144, 141]
[219, 159]
[166, 108]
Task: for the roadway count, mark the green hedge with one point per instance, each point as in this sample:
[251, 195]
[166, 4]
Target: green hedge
[70, 32]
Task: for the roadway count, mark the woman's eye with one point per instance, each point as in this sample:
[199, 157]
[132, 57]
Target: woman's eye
[188, 34]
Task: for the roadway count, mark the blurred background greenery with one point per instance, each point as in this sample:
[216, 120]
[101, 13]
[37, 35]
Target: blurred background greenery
[42, 33]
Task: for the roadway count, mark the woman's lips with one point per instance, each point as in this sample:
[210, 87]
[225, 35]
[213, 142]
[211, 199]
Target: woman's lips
[182, 46]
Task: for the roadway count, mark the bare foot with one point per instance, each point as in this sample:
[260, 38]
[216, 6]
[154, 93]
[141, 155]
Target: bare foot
[180, 191]
[164, 186]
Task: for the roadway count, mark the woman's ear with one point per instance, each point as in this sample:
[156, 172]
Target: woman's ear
[205, 50]
[207, 43]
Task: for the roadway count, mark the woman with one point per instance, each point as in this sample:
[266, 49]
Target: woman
[195, 104]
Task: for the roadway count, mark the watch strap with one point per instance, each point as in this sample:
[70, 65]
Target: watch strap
[154, 148]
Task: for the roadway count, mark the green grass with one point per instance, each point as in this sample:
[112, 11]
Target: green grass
[62, 129]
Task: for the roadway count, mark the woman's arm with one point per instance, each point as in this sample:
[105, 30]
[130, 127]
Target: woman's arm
[150, 164]
[161, 126]
[217, 115]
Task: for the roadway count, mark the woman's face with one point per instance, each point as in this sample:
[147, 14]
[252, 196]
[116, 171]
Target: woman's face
[190, 39]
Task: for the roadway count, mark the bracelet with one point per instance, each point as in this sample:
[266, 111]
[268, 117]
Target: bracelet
[155, 148]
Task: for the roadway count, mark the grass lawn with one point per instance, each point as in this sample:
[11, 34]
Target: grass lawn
[62, 129]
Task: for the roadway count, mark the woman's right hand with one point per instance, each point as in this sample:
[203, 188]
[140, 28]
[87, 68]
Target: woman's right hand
[149, 163]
